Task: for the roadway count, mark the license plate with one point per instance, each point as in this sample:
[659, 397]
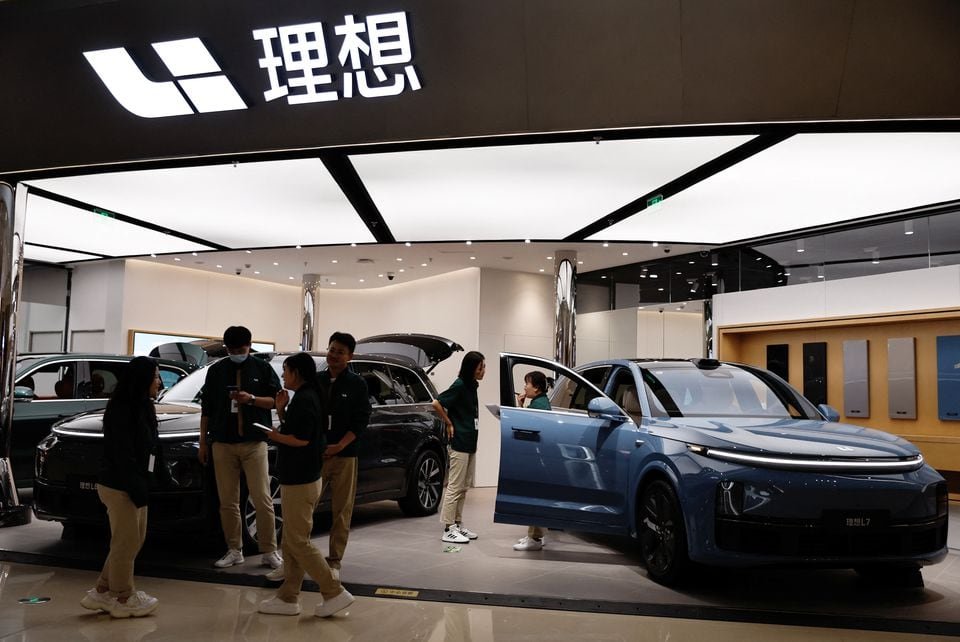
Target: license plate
[83, 483]
[856, 519]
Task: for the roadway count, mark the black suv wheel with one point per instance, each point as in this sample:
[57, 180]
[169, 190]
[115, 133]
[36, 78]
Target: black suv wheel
[425, 485]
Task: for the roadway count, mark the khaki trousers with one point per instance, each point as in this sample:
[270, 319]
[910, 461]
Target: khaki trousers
[300, 556]
[250, 458]
[339, 474]
[536, 532]
[459, 477]
[128, 529]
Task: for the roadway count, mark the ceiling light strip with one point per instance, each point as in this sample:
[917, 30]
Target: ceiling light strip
[677, 185]
[345, 174]
[123, 218]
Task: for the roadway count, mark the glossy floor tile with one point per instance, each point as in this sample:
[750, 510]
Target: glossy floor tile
[203, 611]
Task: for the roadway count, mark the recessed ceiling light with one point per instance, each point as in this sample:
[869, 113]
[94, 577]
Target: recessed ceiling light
[908, 227]
[625, 253]
[690, 262]
[298, 247]
[602, 277]
[399, 259]
[353, 245]
[526, 240]
[291, 278]
[177, 259]
[193, 253]
[362, 281]
[655, 244]
[679, 273]
[256, 271]
[401, 270]
[408, 244]
[333, 282]
[639, 307]
[473, 258]
[334, 261]
[549, 258]
[579, 262]
[469, 242]
[659, 289]
[681, 309]
[423, 265]
[653, 276]
[800, 247]
[275, 263]
[605, 244]
[219, 266]
[768, 266]
[379, 276]
[786, 274]
[249, 252]
[153, 255]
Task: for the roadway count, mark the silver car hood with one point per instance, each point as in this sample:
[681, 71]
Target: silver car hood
[802, 438]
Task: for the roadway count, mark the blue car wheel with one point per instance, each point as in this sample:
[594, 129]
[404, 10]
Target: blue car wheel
[663, 538]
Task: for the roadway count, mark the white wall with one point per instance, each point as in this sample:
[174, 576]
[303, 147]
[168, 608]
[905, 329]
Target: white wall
[97, 300]
[629, 333]
[175, 300]
[926, 289]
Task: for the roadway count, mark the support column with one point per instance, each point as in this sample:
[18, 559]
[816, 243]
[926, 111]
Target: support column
[308, 317]
[12, 513]
[708, 347]
[565, 329]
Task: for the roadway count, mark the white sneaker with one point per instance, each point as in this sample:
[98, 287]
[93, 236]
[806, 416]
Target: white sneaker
[96, 601]
[137, 605]
[452, 535]
[231, 558]
[276, 606]
[466, 532]
[334, 604]
[528, 544]
[273, 560]
[276, 575]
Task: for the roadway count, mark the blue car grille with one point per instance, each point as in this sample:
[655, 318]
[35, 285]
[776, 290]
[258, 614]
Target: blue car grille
[824, 538]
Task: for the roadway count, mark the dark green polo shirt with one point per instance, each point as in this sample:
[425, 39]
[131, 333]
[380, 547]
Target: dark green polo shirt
[347, 404]
[540, 402]
[462, 406]
[257, 378]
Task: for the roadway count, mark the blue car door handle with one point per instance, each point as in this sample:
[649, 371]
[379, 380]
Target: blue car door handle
[526, 434]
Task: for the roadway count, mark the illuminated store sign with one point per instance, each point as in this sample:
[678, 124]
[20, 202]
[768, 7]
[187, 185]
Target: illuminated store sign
[374, 59]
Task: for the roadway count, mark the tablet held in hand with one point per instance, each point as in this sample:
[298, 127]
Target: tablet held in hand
[264, 428]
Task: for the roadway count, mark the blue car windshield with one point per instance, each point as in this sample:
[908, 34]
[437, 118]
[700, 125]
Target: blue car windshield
[726, 391]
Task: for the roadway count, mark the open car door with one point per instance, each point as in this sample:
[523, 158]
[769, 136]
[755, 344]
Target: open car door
[560, 468]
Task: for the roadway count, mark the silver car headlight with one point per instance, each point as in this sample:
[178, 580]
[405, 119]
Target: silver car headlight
[875, 465]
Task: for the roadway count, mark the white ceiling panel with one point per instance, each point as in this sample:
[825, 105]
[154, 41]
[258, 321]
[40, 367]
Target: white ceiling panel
[807, 180]
[63, 226]
[49, 255]
[545, 191]
[267, 204]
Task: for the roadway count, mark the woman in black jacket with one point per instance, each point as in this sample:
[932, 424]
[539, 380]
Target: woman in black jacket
[131, 456]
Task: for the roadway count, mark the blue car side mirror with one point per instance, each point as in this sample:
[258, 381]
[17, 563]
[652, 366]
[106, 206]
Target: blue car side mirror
[829, 413]
[603, 408]
[23, 393]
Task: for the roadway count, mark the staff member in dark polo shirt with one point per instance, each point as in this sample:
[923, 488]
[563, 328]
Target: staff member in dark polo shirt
[238, 392]
[300, 444]
[347, 404]
[459, 409]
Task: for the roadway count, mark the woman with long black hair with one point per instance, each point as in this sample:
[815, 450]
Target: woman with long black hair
[131, 457]
[459, 409]
[301, 442]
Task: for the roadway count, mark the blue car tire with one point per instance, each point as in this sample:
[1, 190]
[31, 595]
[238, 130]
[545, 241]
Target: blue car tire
[662, 535]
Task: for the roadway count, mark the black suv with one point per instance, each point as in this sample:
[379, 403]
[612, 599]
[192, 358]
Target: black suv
[51, 387]
[402, 454]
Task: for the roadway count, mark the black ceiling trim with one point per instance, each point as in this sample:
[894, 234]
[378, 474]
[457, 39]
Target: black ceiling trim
[346, 176]
[677, 185]
[72, 202]
[757, 129]
[69, 249]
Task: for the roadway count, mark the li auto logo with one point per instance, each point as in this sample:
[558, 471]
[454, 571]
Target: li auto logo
[197, 77]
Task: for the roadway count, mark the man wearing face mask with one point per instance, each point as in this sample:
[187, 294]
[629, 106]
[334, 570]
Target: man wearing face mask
[238, 392]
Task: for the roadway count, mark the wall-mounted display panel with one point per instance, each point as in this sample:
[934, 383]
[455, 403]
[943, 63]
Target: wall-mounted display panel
[856, 378]
[948, 377]
[815, 372]
[902, 378]
[778, 360]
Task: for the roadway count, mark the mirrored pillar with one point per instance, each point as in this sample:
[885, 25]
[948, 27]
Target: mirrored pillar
[308, 310]
[565, 329]
[12, 513]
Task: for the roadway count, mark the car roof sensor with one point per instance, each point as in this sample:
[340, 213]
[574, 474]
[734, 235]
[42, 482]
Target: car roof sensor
[706, 364]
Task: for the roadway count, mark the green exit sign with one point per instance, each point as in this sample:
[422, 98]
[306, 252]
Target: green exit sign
[104, 213]
[653, 200]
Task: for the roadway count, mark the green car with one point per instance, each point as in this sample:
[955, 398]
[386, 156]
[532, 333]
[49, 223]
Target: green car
[51, 387]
